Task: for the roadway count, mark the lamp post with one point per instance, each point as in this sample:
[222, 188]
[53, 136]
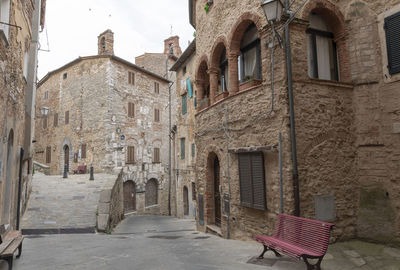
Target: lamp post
[273, 10]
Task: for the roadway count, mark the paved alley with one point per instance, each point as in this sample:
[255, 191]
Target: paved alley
[163, 243]
[58, 203]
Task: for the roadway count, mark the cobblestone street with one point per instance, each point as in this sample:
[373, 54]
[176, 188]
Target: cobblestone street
[58, 203]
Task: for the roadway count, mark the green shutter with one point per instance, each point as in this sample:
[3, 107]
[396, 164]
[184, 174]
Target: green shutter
[392, 28]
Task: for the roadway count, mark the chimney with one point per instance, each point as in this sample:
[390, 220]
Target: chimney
[106, 43]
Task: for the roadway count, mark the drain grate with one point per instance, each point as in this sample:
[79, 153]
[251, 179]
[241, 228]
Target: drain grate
[168, 237]
[202, 237]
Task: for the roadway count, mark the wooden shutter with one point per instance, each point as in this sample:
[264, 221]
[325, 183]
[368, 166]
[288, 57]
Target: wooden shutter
[131, 154]
[48, 154]
[156, 87]
[252, 180]
[131, 109]
[156, 157]
[56, 119]
[83, 149]
[193, 150]
[156, 115]
[184, 104]
[66, 117]
[45, 122]
[193, 191]
[131, 77]
[246, 190]
[257, 172]
[392, 28]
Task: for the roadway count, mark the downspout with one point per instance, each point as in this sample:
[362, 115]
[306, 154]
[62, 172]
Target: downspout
[21, 160]
[228, 234]
[296, 193]
[169, 139]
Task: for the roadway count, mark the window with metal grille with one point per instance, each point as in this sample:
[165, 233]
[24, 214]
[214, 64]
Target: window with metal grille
[131, 77]
[184, 104]
[392, 29]
[55, 122]
[83, 149]
[252, 180]
[156, 115]
[151, 188]
[156, 155]
[131, 109]
[182, 148]
[193, 191]
[130, 155]
[45, 122]
[48, 154]
[156, 88]
[67, 117]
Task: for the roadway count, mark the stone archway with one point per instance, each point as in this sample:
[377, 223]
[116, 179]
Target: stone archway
[151, 195]
[185, 201]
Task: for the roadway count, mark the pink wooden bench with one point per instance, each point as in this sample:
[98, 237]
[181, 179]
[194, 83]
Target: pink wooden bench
[81, 169]
[299, 238]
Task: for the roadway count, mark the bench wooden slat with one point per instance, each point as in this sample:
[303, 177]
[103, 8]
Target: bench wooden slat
[4, 245]
[10, 250]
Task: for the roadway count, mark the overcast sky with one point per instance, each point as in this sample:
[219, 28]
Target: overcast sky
[72, 27]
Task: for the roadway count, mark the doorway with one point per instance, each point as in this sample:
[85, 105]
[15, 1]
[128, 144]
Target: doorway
[129, 196]
[66, 157]
[185, 201]
[217, 195]
[7, 191]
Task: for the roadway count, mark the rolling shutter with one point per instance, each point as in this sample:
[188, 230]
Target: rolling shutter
[392, 28]
[246, 190]
[257, 169]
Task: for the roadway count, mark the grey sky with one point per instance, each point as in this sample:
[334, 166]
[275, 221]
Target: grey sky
[139, 26]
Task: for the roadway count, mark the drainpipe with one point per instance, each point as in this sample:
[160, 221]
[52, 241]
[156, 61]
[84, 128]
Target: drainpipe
[228, 234]
[169, 139]
[21, 160]
[296, 193]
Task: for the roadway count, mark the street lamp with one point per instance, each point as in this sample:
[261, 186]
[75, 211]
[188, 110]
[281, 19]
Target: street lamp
[273, 10]
[44, 111]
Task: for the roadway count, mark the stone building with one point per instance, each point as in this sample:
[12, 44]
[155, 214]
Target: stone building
[344, 152]
[19, 31]
[111, 114]
[184, 186]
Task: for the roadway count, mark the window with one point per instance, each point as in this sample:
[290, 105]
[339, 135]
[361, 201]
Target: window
[131, 77]
[83, 149]
[193, 150]
[156, 115]
[131, 109]
[156, 155]
[130, 156]
[45, 122]
[182, 148]
[67, 117]
[75, 157]
[184, 104]
[392, 28]
[322, 51]
[151, 192]
[184, 70]
[55, 123]
[46, 95]
[223, 79]
[103, 43]
[5, 16]
[48, 154]
[65, 76]
[252, 180]
[156, 88]
[250, 55]
[193, 191]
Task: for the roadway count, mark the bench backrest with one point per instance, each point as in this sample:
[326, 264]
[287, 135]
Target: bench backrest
[2, 232]
[306, 233]
[82, 167]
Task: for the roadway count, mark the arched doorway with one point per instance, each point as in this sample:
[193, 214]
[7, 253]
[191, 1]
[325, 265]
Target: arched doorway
[9, 175]
[66, 157]
[217, 195]
[151, 196]
[185, 201]
[129, 196]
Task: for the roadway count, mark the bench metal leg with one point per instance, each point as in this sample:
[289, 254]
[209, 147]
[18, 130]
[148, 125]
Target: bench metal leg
[310, 266]
[266, 249]
[10, 262]
[19, 251]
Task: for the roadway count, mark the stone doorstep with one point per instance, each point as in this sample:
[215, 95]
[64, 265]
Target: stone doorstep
[213, 229]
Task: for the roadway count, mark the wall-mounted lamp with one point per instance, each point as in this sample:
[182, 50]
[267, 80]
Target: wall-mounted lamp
[44, 112]
[273, 10]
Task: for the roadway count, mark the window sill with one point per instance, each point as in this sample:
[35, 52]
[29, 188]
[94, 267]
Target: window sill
[326, 82]
[130, 163]
[158, 162]
[249, 84]
[221, 96]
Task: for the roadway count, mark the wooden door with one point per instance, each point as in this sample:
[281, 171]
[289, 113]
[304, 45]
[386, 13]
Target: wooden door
[129, 196]
[66, 157]
[217, 195]
[185, 201]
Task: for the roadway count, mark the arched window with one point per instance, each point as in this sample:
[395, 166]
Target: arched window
[322, 50]
[151, 192]
[223, 80]
[250, 55]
